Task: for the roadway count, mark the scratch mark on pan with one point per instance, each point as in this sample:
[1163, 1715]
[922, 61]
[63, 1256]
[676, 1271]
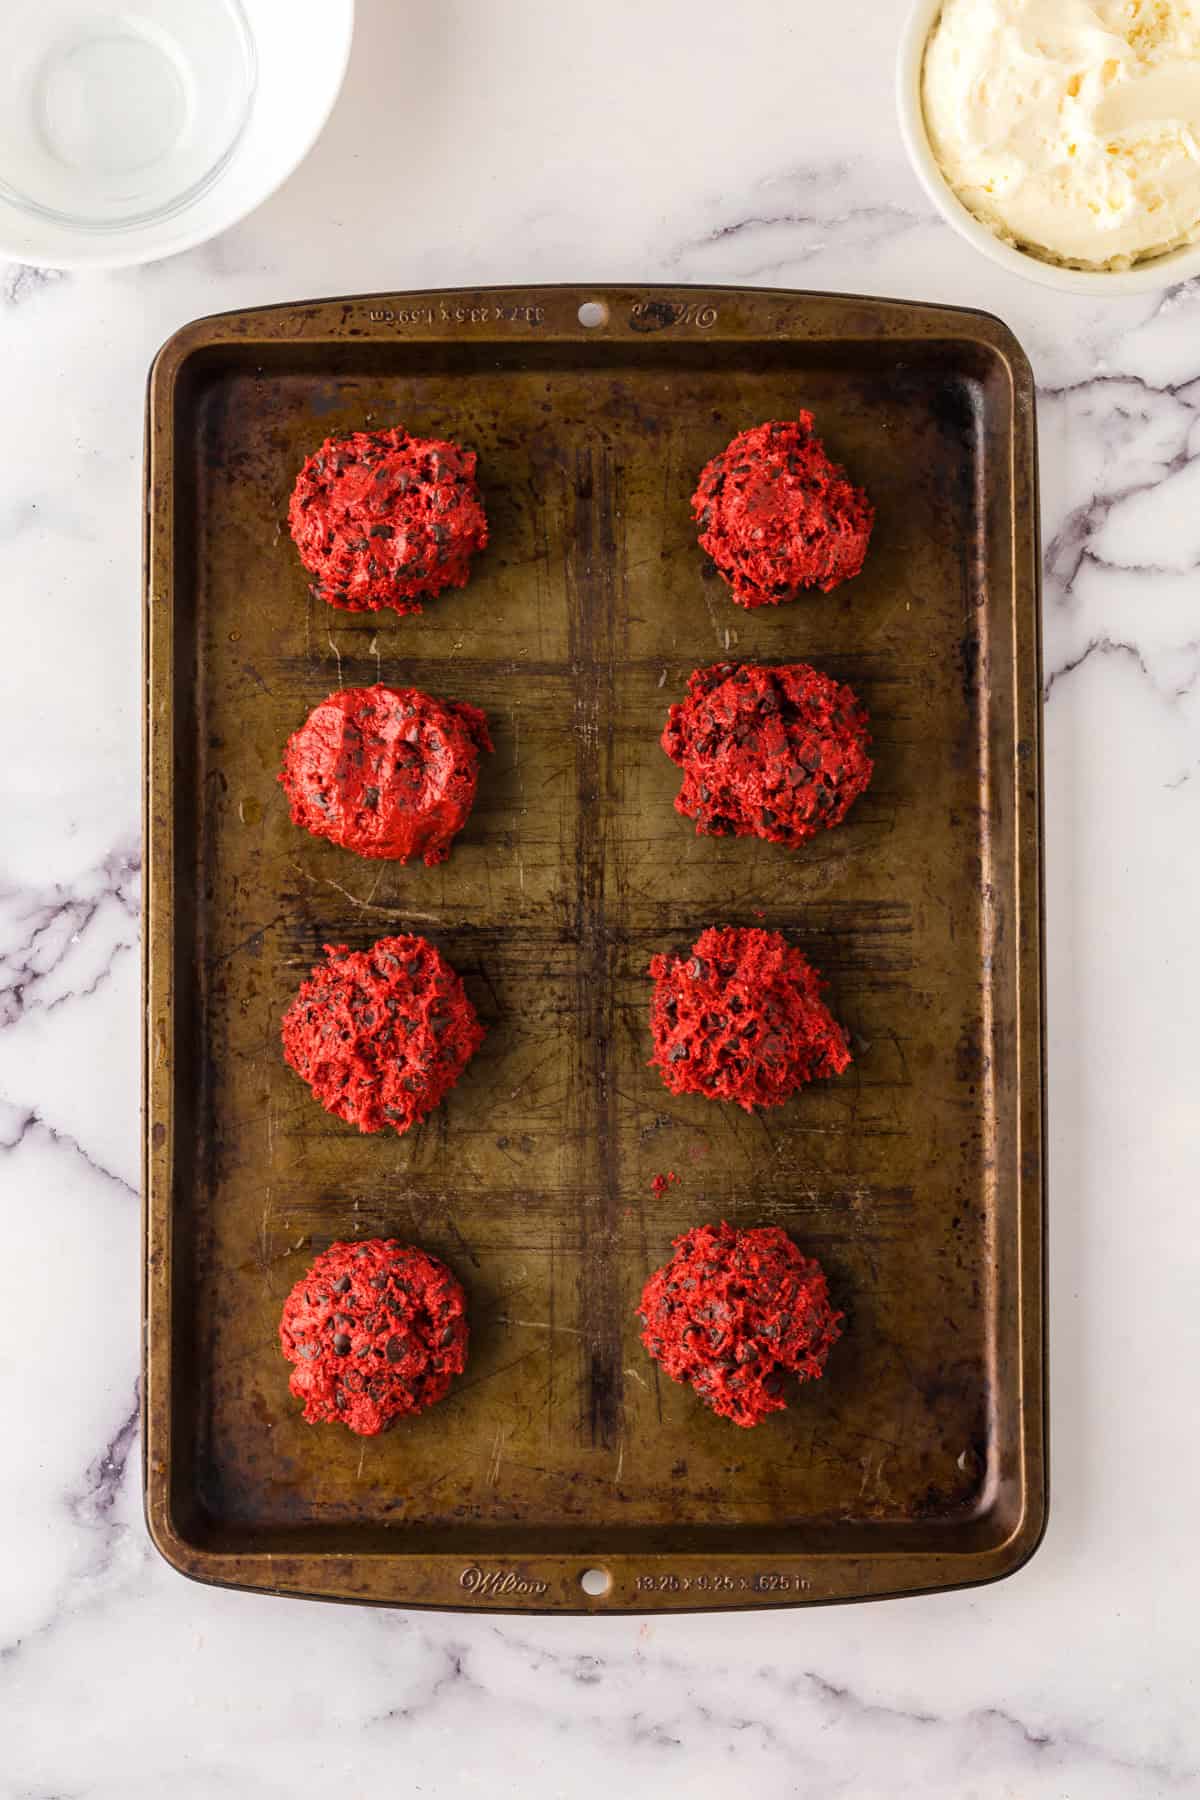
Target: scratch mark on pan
[464, 1387]
[536, 1070]
[516, 719]
[258, 933]
[667, 508]
[426, 918]
[460, 1240]
[721, 636]
[636, 1375]
[550, 1358]
[427, 1487]
[901, 1055]
[362, 1457]
[509, 1158]
[494, 1461]
[538, 1325]
[767, 1134]
[485, 975]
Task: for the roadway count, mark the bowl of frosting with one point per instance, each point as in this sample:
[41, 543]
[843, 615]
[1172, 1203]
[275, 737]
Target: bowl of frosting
[1061, 137]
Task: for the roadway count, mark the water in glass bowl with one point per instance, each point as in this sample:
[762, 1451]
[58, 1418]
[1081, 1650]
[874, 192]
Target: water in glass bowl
[116, 115]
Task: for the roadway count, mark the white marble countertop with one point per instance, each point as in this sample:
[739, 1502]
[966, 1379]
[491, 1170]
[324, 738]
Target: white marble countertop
[746, 143]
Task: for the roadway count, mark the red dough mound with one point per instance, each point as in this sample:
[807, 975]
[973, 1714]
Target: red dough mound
[381, 1035]
[376, 1331]
[386, 772]
[742, 1019]
[776, 515]
[384, 519]
[732, 1312]
[774, 753]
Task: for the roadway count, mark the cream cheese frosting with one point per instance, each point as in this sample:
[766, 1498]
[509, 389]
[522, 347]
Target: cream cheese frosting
[1071, 127]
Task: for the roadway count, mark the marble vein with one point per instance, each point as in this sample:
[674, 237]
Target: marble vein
[1097, 647]
[60, 943]
[20, 281]
[31, 1124]
[680, 1700]
[803, 212]
[450, 1676]
[94, 1504]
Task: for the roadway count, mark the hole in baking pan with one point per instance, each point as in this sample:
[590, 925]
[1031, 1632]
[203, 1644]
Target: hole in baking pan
[595, 1583]
[593, 313]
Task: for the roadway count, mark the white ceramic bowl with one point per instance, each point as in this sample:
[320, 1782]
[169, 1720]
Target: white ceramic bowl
[1176, 265]
[134, 129]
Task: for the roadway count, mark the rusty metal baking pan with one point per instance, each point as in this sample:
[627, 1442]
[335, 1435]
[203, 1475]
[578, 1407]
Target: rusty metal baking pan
[917, 1178]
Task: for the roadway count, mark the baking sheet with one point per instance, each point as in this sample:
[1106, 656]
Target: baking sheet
[916, 1179]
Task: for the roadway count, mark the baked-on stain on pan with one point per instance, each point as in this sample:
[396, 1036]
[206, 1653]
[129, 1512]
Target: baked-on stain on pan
[916, 1179]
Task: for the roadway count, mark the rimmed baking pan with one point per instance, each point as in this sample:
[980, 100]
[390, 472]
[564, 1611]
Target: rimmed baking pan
[917, 1178]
